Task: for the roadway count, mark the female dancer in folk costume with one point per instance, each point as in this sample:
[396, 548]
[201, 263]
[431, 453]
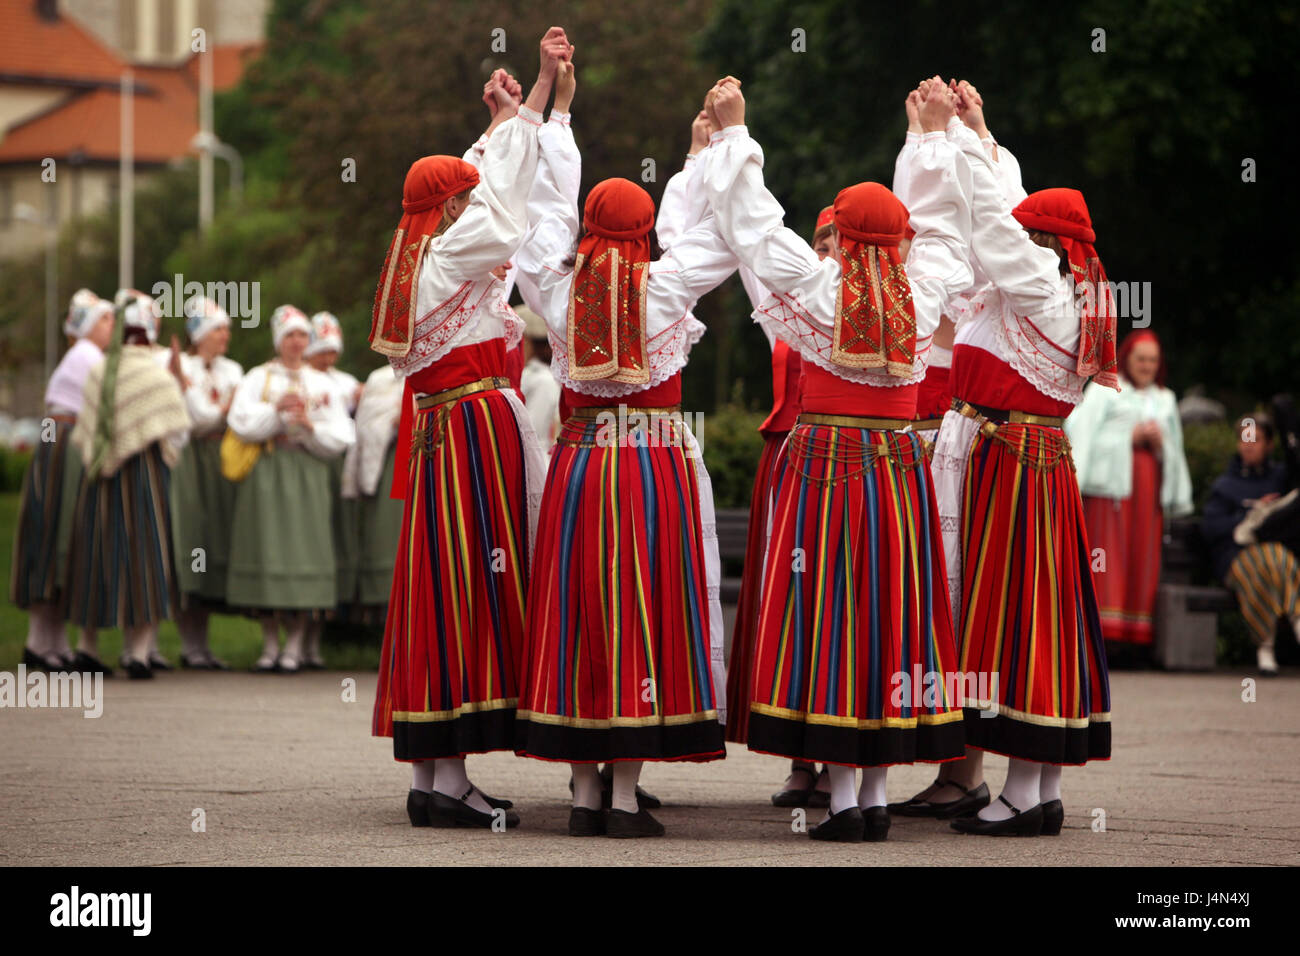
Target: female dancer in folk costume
[1128, 458]
[853, 595]
[448, 675]
[367, 477]
[1028, 618]
[618, 661]
[49, 494]
[281, 545]
[322, 354]
[132, 425]
[804, 786]
[202, 499]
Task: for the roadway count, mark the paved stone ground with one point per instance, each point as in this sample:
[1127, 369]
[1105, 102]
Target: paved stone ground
[288, 774]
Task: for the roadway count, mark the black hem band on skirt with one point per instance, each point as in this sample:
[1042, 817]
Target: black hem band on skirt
[699, 741]
[472, 733]
[926, 743]
[1025, 741]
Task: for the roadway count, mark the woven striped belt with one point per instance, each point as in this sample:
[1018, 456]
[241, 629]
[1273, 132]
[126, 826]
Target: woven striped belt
[926, 424]
[593, 412]
[853, 421]
[1004, 416]
[1039, 450]
[425, 402]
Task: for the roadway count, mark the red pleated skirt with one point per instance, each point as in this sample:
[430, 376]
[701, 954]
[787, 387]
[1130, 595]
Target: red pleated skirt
[616, 665]
[740, 667]
[855, 646]
[1127, 573]
[449, 669]
[1029, 616]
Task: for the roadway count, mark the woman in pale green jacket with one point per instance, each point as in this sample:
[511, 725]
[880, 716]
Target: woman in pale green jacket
[1128, 453]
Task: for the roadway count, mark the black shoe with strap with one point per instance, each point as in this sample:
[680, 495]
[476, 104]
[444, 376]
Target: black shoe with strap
[447, 812]
[1028, 823]
[585, 822]
[1053, 818]
[847, 826]
[971, 801]
[86, 664]
[797, 796]
[621, 825]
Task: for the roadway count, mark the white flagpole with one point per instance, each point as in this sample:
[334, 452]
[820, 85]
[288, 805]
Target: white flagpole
[126, 191]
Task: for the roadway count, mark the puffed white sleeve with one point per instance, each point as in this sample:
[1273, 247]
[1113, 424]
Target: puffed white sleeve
[1008, 168]
[675, 204]
[1027, 274]
[474, 155]
[553, 225]
[492, 225]
[332, 433]
[902, 166]
[698, 263]
[750, 219]
[252, 419]
[938, 264]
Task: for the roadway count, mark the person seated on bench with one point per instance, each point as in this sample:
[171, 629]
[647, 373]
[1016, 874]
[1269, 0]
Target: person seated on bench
[1265, 576]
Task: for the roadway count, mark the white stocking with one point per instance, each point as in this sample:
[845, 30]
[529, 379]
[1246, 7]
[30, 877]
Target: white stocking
[451, 780]
[1050, 788]
[1024, 780]
[586, 786]
[844, 782]
[626, 773]
[422, 776]
[872, 791]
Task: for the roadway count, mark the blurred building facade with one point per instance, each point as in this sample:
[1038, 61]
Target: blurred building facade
[61, 65]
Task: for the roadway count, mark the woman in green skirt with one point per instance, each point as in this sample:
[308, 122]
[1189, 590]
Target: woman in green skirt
[202, 499]
[282, 566]
[323, 354]
[367, 477]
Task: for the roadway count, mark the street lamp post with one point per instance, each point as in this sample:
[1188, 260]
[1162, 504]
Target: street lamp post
[208, 145]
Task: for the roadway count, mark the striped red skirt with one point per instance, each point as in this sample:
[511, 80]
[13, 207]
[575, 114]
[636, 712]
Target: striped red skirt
[1129, 532]
[448, 672]
[1030, 614]
[617, 660]
[740, 666]
[855, 647]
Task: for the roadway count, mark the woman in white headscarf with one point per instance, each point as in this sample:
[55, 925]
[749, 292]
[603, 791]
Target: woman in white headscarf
[203, 501]
[132, 426]
[49, 493]
[282, 564]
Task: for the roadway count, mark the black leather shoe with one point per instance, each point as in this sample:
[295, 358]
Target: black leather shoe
[158, 662]
[495, 803]
[138, 670]
[797, 796]
[1053, 818]
[446, 812]
[621, 825]
[417, 808]
[847, 826]
[584, 822]
[875, 824]
[971, 802]
[1028, 823]
[35, 662]
[90, 665]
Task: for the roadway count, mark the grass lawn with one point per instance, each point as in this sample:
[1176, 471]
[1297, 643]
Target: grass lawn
[236, 640]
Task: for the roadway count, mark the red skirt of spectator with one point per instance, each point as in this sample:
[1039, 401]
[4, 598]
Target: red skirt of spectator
[1128, 533]
[740, 666]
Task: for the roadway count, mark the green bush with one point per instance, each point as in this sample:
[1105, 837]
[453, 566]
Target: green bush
[13, 465]
[732, 446]
[1208, 447]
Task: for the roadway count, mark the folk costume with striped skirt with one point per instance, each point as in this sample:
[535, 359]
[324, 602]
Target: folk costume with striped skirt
[132, 425]
[854, 623]
[468, 466]
[1022, 355]
[624, 626]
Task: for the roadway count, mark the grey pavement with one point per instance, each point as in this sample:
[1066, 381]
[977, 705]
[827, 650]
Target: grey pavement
[286, 772]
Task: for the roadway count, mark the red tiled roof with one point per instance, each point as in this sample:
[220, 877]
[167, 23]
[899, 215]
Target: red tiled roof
[48, 50]
[166, 116]
[228, 64]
